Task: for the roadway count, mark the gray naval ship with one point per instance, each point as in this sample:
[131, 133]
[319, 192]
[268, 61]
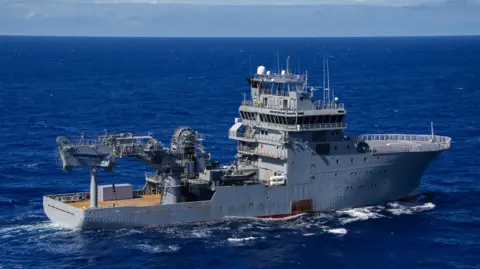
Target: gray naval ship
[292, 158]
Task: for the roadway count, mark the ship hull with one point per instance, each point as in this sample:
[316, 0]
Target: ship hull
[380, 179]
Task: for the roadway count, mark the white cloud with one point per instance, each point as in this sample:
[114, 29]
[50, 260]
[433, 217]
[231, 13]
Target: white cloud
[30, 15]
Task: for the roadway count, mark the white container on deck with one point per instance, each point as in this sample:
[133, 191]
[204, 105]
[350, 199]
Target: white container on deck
[122, 192]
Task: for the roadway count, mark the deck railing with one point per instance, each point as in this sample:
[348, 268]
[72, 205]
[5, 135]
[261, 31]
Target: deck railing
[279, 154]
[255, 137]
[424, 142]
[300, 127]
[282, 107]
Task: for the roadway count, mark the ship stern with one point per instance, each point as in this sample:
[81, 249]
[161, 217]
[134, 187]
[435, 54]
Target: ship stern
[63, 214]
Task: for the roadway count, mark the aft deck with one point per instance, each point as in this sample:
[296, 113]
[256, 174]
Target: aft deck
[145, 200]
[80, 200]
[385, 143]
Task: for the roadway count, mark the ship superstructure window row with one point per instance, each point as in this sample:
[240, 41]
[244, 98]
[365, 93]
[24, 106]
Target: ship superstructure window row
[303, 120]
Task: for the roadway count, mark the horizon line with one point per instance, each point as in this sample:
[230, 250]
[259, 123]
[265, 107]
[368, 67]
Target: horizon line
[241, 37]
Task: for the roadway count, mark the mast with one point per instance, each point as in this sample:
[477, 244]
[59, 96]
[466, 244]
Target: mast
[328, 81]
[324, 90]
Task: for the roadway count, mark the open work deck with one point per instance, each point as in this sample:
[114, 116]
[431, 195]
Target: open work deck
[384, 143]
[144, 200]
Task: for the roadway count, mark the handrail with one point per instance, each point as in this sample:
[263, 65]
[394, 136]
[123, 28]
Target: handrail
[273, 154]
[427, 142]
[254, 136]
[317, 106]
[300, 127]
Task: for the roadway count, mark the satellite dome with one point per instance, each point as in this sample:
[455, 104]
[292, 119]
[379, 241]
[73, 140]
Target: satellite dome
[261, 70]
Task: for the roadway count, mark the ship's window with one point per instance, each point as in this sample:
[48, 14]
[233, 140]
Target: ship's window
[322, 149]
[341, 118]
[290, 120]
[334, 118]
[301, 120]
[337, 160]
[335, 148]
[285, 104]
[305, 120]
[348, 146]
[378, 158]
[265, 101]
[321, 119]
[351, 160]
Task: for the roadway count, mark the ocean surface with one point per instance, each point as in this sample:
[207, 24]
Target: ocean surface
[65, 86]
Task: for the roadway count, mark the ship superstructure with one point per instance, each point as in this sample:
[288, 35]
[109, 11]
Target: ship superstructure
[292, 157]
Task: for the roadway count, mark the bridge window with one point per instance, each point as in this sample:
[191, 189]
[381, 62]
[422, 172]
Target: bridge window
[291, 120]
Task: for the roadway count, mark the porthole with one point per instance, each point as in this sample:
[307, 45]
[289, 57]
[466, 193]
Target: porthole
[351, 160]
[335, 148]
[365, 159]
[337, 160]
[268, 198]
[348, 146]
[378, 158]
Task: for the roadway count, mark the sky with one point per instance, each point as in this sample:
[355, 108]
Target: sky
[240, 18]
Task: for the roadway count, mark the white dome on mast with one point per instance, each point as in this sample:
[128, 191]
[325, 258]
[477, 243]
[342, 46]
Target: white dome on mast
[261, 70]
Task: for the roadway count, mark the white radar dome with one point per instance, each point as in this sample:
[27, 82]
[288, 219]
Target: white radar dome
[336, 99]
[283, 72]
[268, 73]
[261, 70]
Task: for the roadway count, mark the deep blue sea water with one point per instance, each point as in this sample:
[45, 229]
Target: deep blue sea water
[65, 86]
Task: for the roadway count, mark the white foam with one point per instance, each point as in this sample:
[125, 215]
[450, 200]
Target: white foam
[18, 229]
[157, 248]
[357, 214]
[339, 231]
[284, 218]
[201, 233]
[398, 209]
[308, 234]
[235, 240]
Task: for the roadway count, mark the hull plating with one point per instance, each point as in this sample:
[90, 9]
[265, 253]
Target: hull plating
[378, 179]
